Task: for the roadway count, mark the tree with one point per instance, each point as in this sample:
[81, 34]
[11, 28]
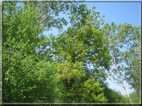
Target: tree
[81, 45]
[26, 76]
[71, 69]
[121, 40]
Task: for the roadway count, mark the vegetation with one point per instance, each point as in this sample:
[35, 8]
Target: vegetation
[69, 68]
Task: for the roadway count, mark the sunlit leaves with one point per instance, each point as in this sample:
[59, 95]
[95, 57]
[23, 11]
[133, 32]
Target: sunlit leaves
[93, 92]
[75, 47]
[24, 72]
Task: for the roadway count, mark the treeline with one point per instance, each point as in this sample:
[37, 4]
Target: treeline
[71, 67]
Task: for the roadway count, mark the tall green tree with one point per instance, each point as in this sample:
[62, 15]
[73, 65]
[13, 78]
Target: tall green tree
[124, 47]
[82, 45]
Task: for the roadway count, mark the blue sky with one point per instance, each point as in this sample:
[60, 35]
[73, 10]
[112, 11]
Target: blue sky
[119, 13]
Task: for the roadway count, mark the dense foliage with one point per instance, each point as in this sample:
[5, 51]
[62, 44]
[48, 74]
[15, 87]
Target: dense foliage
[69, 68]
